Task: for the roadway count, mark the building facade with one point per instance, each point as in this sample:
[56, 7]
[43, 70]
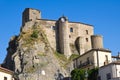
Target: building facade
[6, 74]
[92, 59]
[110, 71]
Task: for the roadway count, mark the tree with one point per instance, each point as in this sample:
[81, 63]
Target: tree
[93, 74]
[34, 34]
[78, 74]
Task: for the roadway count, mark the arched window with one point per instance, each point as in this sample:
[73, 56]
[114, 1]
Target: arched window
[71, 29]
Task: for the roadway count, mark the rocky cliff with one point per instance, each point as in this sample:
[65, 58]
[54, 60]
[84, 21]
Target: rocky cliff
[31, 56]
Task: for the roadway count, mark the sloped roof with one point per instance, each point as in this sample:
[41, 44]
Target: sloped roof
[6, 70]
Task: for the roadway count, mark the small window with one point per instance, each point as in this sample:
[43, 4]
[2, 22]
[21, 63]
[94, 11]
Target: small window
[119, 73]
[86, 31]
[106, 56]
[80, 62]
[5, 78]
[86, 39]
[34, 13]
[71, 29]
[88, 59]
[69, 36]
[108, 76]
[74, 65]
[53, 27]
[99, 77]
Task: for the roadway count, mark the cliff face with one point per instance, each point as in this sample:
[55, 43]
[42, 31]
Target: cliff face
[31, 56]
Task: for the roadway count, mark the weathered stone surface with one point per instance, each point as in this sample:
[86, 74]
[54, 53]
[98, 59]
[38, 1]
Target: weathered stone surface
[33, 57]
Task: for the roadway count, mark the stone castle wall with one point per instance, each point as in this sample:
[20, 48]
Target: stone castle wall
[49, 28]
[30, 14]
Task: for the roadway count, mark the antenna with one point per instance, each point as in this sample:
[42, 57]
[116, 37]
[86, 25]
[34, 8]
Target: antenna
[118, 54]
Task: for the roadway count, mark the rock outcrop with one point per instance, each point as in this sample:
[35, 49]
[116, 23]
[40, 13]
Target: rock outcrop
[31, 56]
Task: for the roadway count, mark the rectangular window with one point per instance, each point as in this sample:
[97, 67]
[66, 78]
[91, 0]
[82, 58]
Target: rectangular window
[88, 60]
[119, 73]
[86, 31]
[106, 57]
[53, 27]
[71, 29]
[5, 78]
[99, 78]
[69, 36]
[74, 65]
[80, 65]
[80, 62]
[86, 39]
[108, 76]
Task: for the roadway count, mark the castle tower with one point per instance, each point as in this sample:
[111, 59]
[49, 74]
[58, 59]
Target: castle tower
[30, 14]
[80, 43]
[97, 41]
[64, 36]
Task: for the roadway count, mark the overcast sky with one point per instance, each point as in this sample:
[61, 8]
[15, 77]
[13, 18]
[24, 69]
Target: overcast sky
[104, 15]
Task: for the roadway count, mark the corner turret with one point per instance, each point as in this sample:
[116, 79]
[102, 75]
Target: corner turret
[30, 14]
[97, 41]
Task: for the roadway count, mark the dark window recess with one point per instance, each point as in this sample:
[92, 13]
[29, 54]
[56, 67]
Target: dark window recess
[71, 29]
[86, 39]
[80, 62]
[86, 31]
[106, 56]
[5, 78]
[74, 65]
[88, 60]
[99, 78]
[53, 27]
[108, 76]
[69, 36]
[33, 12]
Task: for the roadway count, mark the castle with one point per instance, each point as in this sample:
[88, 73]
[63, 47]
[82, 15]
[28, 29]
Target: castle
[65, 35]
[70, 38]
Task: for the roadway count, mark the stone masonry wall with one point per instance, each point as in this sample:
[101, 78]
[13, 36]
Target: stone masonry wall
[79, 29]
[49, 28]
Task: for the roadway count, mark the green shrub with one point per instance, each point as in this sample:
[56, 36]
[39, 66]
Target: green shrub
[34, 34]
[78, 74]
[93, 74]
[73, 56]
[61, 56]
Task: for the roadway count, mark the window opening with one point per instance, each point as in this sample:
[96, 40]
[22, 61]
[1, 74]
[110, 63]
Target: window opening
[71, 29]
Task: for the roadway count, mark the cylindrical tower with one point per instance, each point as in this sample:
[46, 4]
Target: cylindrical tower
[64, 36]
[97, 41]
[81, 45]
